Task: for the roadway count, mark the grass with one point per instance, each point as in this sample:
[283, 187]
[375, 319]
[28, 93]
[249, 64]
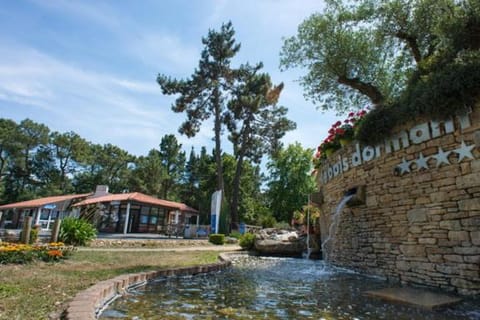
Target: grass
[42, 290]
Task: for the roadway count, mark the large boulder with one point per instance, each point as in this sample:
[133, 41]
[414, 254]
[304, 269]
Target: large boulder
[279, 242]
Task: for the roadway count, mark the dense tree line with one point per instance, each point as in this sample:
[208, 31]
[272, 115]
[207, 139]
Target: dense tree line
[36, 162]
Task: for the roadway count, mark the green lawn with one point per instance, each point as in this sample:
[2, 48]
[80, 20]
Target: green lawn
[42, 290]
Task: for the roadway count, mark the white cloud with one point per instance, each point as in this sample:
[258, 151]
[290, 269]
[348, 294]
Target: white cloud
[150, 87]
[84, 99]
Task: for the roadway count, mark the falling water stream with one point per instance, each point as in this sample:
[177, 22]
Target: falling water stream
[309, 250]
[333, 227]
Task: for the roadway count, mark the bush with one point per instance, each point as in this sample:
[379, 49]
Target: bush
[282, 225]
[217, 238]
[235, 234]
[247, 241]
[34, 233]
[77, 232]
[267, 221]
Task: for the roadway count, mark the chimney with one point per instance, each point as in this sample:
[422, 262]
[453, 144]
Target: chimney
[100, 191]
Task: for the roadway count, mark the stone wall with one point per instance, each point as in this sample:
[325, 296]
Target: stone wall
[419, 222]
[88, 304]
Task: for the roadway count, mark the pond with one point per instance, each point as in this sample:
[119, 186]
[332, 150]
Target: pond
[272, 288]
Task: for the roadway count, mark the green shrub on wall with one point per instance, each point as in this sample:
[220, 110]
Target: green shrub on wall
[77, 232]
[217, 238]
[439, 91]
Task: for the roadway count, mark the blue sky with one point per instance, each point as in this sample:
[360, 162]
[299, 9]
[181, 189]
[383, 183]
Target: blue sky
[90, 66]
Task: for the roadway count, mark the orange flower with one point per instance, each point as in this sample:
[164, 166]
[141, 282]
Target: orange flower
[55, 253]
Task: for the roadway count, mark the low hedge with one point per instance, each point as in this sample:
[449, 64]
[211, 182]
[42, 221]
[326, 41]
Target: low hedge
[217, 238]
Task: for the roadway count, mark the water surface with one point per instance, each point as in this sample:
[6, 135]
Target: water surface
[272, 288]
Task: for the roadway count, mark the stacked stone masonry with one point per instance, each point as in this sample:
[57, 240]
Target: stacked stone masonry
[420, 222]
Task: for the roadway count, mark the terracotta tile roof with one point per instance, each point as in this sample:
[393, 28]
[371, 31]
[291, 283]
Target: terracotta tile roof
[36, 203]
[138, 197]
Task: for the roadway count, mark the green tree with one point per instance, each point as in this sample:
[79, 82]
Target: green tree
[207, 180]
[8, 145]
[21, 182]
[104, 165]
[367, 51]
[347, 65]
[173, 160]
[255, 123]
[190, 180]
[148, 174]
[289, 183]
[203, 95]
[69, 149]
[48, 180]
[8, 150]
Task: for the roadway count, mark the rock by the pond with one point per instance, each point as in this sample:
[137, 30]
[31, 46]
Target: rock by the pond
[279, 242]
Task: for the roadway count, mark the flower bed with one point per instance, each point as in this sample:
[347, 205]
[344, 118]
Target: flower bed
[23, 253]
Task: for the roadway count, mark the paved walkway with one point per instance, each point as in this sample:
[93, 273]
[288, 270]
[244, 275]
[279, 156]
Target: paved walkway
[227, 247]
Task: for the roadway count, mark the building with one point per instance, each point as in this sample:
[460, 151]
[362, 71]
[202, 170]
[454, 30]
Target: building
[111, 213]
[44, 211]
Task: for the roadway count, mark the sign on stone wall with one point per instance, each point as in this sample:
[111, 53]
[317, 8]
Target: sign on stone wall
[418, 134]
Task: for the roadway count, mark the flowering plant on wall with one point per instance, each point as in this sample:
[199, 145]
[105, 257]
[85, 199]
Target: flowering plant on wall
[340, 134]
[355, 118]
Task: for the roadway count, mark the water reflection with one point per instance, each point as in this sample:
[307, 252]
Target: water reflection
[272, 288]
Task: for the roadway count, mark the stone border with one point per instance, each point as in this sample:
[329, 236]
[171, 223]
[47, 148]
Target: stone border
[87, 304]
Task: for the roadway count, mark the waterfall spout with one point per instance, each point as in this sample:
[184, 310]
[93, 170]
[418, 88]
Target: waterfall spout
[309, 250]
[333, 225]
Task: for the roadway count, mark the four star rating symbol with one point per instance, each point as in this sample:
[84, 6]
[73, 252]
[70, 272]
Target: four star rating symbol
[464, 151]
[404, 167]
[441, 157]
[422, 162]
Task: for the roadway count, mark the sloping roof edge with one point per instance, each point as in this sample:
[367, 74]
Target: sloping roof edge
[138, 197]
[40, 202]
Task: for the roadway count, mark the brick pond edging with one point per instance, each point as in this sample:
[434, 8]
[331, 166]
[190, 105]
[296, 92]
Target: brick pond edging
[87, 304]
